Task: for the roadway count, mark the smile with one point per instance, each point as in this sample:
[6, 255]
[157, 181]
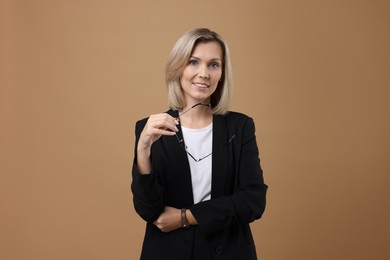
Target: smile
[201, 85]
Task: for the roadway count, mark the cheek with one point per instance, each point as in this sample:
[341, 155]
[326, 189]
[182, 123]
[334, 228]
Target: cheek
[218, 76]
[185, 75]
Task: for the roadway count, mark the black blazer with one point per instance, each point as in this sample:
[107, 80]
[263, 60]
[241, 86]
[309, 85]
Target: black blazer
[238, 194]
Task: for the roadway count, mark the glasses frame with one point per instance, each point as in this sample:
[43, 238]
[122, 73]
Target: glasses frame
[181, 140]
[182, 144]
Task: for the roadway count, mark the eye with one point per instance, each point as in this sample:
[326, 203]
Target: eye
[214, 65]
[193, 62]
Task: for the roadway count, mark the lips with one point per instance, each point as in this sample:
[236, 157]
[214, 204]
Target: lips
[201, 84]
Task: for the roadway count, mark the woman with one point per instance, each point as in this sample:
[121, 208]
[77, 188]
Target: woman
[197, 179]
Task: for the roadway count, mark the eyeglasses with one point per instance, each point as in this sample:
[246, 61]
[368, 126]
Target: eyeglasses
[181, 143]
[181, 140]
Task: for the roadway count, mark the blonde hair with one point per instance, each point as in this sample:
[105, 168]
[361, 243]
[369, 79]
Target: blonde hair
[178, 59]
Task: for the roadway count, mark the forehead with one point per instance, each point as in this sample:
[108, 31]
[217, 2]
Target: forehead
[208, 50]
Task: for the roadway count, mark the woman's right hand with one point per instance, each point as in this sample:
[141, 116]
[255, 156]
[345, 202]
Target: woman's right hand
[156, 126]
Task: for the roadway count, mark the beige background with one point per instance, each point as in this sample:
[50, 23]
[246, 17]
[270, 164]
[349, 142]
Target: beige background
[76, 75]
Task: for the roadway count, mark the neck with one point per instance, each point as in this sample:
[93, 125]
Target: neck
[196, 116]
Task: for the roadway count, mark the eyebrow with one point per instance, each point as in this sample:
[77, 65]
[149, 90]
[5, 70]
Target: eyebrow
[213, 59]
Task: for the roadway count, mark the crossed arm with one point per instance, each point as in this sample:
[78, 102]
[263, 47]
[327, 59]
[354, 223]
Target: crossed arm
[157, 126]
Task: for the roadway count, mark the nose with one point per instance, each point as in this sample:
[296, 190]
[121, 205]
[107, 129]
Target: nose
[204, 72]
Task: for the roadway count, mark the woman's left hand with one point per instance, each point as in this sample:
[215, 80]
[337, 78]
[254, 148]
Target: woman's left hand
[169, 220]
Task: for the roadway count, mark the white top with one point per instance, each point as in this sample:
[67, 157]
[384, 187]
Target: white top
[199, 143]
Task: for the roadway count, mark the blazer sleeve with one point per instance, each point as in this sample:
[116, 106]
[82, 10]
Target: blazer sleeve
[247, 202]
[147, 191]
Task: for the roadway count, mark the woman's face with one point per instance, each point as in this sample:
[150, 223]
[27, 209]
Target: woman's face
[201, 74]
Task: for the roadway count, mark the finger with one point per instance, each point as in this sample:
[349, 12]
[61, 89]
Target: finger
[159, 132]
[165, 118]
[163, 124]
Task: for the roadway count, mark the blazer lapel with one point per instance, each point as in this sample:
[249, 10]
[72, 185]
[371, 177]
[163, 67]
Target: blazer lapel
[220, 156]
[179, 158]
[220, 160]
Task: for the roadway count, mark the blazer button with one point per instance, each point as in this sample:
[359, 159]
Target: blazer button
[219, 249]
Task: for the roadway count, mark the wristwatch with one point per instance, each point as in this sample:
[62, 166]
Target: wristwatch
[184, 222]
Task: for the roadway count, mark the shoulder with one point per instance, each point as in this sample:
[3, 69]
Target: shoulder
[235, 118]
[140, 124]
[237, 115]
[239, 123]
